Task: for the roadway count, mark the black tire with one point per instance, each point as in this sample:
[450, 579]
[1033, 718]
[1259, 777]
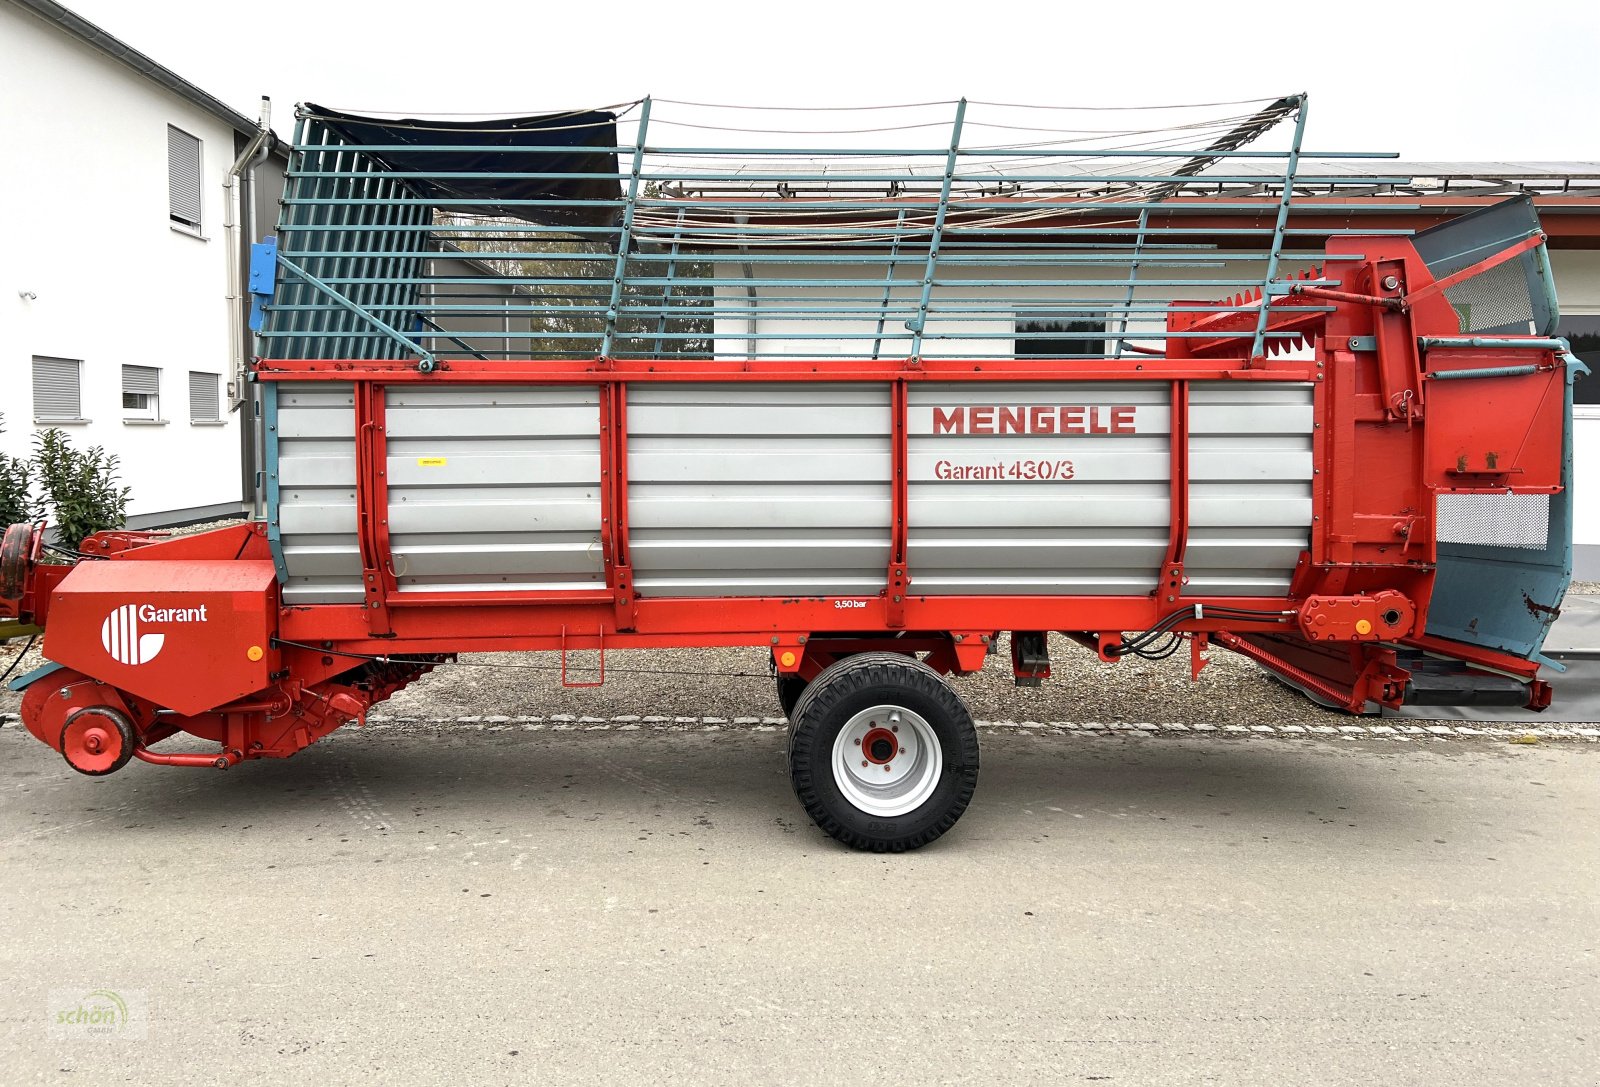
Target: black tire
[104, 717]
[828, 704]
[790, 688]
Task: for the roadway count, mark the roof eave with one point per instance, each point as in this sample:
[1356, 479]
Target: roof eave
[118, 50]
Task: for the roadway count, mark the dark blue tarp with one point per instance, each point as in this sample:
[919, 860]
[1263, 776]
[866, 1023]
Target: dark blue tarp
[583, 143]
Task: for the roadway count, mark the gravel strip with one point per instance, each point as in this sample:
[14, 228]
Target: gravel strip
[202, 526]
[1081, 688]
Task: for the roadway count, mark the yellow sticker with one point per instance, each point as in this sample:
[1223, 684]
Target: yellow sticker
[430, 462]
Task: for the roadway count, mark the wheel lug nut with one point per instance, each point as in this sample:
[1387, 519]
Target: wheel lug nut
[863, 762]
[858, 742]
[894, 728]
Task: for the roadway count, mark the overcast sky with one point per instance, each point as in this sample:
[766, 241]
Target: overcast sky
[1431, 81]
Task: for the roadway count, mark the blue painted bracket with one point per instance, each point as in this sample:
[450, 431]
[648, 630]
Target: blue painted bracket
[263, 279]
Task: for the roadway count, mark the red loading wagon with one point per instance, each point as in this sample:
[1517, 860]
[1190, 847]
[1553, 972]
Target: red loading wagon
[526, 384]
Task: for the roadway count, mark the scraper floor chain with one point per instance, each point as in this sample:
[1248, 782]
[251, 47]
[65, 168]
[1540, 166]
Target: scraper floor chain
[882, 754]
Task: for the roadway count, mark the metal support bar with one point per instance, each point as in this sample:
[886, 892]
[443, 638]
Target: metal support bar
[1388, 302]
[447, 334]
[918, 323]
[427, 363]
[888, 282]
[1516, 249]
[625, 240]
[1133, 276]
[672, 271]
[1538, 343]
[1287, 197]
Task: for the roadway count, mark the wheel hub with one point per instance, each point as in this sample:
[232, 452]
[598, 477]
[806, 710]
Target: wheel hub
[880, 746]
[887, 761]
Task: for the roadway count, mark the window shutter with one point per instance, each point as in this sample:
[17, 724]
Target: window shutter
[141, 379]
[204, 406]
[183, 176]
[55, 389]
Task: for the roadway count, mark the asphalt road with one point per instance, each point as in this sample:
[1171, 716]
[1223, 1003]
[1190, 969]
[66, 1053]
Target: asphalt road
[450, 906]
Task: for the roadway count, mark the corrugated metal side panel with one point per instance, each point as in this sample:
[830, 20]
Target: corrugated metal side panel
[759, 489]
[317, 493]
[1249, 486]
[495, 488]
[1101, 532]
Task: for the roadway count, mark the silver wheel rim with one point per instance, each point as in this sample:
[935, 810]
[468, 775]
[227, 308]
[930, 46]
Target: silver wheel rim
[887, 761]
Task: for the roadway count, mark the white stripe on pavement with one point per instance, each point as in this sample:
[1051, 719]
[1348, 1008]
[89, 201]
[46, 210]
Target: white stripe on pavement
[1399, 730]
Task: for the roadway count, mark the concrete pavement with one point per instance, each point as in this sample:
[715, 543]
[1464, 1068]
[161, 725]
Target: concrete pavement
[449, 906]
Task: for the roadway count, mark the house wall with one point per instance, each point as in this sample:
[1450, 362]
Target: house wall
[986, 335]
[1578, 287]
[92, 268]
[482, 292]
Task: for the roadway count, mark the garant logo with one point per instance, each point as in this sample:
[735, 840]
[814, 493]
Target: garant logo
[123, 635]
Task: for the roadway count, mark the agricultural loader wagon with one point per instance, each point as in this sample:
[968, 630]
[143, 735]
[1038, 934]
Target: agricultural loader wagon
[572, 381]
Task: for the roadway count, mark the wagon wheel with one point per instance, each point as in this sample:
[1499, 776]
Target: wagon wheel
[97, 740]
[791, 687]
[883, 755]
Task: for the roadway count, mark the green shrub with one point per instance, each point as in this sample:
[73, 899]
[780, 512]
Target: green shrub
[15, 484]
[81, 492]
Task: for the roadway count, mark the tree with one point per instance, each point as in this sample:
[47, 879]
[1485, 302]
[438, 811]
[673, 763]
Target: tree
[16, 483]
[81, 491]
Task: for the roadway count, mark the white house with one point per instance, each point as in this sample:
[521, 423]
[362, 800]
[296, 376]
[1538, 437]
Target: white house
[120, 321]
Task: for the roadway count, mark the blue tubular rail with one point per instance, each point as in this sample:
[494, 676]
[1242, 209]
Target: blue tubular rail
[561, 237]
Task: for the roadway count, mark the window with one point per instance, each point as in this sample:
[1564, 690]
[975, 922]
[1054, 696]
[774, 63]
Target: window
[1583, 332]
[183, 179]
[141, 393]
[57, 397]
[1061, 335]
[204, 404]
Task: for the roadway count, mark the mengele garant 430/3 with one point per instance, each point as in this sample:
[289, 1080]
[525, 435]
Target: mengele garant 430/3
[526, 384]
